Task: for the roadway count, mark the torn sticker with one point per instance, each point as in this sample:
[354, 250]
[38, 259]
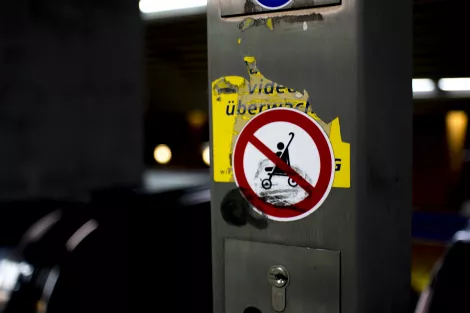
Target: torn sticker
[235, 100]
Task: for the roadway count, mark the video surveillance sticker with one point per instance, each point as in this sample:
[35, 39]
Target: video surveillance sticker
[236, 100]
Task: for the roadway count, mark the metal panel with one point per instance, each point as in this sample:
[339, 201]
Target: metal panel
[242, 7]
[355, 62]
[314, 277]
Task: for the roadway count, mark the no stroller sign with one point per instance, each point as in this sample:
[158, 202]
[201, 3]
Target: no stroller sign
[284, 164]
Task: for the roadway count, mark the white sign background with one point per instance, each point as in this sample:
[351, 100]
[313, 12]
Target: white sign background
[304, 159]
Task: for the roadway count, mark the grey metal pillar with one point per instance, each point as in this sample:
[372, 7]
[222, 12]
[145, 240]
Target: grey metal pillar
[348, 65]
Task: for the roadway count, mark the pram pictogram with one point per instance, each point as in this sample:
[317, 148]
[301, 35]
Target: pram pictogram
[283, 154]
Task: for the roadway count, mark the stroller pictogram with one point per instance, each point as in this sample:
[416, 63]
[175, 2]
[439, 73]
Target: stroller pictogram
[283, 154]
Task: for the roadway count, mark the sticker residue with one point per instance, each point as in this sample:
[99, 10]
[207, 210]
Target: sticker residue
[270, 22]
[250, 22]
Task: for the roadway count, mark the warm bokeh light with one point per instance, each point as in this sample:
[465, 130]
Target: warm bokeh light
[457, 122]
[197, 118]
[162, 154]
[206, 155]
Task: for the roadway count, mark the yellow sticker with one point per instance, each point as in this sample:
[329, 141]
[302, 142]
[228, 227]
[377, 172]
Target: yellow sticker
[235, 100]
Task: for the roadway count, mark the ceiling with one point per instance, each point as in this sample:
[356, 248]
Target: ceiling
[177, 52]
[177, 56]
[441, 38]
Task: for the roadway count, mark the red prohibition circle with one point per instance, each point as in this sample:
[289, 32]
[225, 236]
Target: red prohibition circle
[316, 194]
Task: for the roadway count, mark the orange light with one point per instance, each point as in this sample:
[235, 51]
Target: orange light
[457, 122]
[197, 118]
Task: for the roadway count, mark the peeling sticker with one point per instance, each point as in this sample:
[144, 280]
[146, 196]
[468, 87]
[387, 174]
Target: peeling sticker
[271, 22]
[250, 22]
[235, 100]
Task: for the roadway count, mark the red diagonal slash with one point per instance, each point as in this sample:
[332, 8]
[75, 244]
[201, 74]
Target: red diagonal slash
[282, 165]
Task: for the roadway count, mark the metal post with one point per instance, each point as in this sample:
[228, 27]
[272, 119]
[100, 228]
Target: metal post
[323, 227]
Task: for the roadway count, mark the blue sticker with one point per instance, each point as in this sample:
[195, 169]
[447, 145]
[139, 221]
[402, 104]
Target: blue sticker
[273, 4]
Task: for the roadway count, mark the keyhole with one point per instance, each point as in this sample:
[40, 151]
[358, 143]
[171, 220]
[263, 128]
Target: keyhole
[281, 277]
[278, 276]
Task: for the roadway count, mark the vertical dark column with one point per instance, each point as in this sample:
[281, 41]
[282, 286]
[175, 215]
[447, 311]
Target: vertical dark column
[383, 157]
[70, 96]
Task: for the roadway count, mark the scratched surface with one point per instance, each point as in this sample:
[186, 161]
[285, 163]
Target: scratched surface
[349, 61]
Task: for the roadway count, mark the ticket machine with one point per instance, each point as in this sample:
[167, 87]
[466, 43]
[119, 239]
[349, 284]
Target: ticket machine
[311, 120]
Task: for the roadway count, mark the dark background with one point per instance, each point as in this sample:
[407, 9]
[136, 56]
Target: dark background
[88, 89]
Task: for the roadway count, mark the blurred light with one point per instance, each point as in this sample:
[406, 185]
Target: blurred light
[197, 118]
[462, 235]
[42, 226]
[423, 85]
[420, 277]
[10, 271]
[456, 122]
[196, 198]
[25, 269]
[50, 284]
[155, 6]
[162, 154]
[170, 180]
[4, 297]
[41, 306]
[454, 84]
[206, 155]
[81, 234]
